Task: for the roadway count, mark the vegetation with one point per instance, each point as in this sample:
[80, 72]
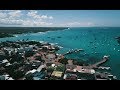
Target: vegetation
[9, 31]
[30, 43]
[3, 35]
[29, 76]
[39, 58]
[51, 78]
[14, 72]
[50, 69]
[64, 61]
[16, 57]
[29, 53]
[60, 68]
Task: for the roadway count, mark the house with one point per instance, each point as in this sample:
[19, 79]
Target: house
[2, 77]
[69, 76]
[5, 61]
[20, 50]
[57, 74]
[50, 47]
[101, 76]
[31, 71]
[82, 69]
[36, 74]
[39, 75]
[41, 67]
[36, 63]
[70, 68]
[50, 56]
[44, 48]
[6, 77]
[30, 48]
[10, 78]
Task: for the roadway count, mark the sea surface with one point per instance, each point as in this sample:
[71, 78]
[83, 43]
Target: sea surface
[96, 42]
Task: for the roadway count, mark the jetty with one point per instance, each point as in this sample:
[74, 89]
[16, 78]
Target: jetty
[101, 67]
[105, 58]
[73, 51]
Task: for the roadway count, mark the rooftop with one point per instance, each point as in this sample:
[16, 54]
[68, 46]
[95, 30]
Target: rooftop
[57, 73]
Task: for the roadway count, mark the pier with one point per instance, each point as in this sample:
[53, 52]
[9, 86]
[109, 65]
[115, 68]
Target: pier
[105, 58]
[73, 51]
[107, 68]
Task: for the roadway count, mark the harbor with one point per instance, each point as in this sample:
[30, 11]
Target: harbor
[83, 49]
[32, 60]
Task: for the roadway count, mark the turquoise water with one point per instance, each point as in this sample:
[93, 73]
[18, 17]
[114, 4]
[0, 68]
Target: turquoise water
[96, 42]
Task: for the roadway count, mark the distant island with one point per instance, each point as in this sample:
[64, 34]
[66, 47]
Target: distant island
[10, 31]
[3, 35]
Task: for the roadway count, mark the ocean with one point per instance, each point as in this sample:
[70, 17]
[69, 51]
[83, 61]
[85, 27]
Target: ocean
[96, 42]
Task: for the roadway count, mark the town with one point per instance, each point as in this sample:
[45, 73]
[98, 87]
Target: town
[33, 60]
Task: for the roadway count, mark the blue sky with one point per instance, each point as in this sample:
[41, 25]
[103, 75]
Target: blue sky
[58, 18]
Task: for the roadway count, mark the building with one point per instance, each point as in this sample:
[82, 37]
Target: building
[70, 68]
[50, 56]
[81, 69]
[41, 67]
[6, 77]
[101, 76]
[69, 76]
[39, 75]
[57, 74]
[2, 77]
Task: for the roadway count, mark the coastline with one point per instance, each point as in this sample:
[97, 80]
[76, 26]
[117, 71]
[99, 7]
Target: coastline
[11, 31]
[43, 60]
[4, 35]
[77, 35]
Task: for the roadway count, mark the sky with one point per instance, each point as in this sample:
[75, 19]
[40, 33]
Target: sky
[59, 18]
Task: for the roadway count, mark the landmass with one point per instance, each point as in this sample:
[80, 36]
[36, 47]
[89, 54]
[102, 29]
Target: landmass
[3, 35]
[10, 31]
[33, 60]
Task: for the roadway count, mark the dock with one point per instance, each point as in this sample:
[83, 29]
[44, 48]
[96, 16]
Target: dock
[107, 68]
[105, 58]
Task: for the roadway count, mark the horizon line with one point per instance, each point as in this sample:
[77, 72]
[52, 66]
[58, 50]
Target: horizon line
[54, 26]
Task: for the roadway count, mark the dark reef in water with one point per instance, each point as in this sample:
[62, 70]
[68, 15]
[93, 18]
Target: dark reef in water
[118, 39]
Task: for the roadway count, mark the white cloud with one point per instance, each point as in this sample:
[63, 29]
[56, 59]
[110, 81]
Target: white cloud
[44, 16]
[3, 15]
[50, 17]
[35, 23]
[27, 23]
[11, 22]
[32, 13]
[17, 17]
[15, 14]
[79, 24]
[35, 15]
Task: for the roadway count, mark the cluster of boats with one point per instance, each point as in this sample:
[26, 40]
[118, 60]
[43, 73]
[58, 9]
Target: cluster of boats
[73, 51]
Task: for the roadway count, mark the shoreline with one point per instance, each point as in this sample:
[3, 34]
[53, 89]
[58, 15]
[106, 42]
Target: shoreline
[11, 31]
[43, 57]
[44, 36]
